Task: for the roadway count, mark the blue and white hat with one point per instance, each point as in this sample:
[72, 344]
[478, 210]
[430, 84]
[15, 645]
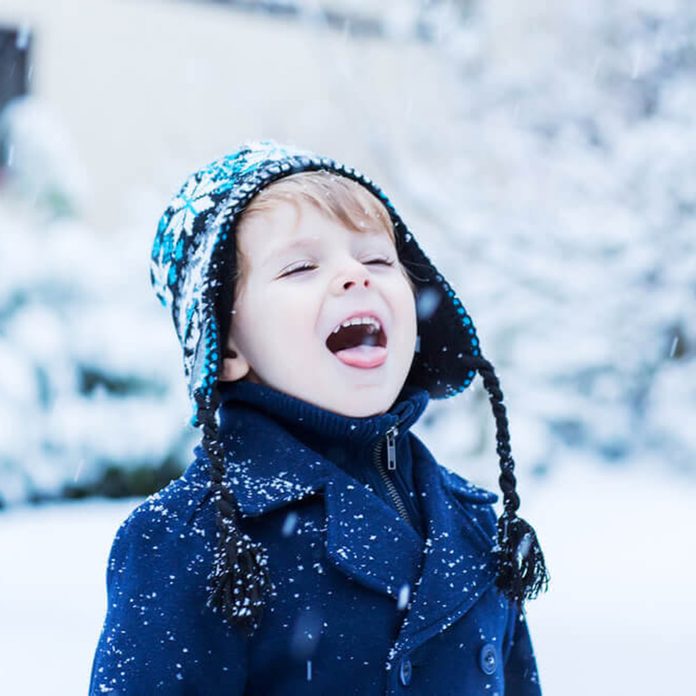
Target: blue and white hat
[193, 262]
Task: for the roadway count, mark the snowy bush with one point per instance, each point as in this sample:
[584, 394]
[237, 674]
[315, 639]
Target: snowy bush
[88, 360]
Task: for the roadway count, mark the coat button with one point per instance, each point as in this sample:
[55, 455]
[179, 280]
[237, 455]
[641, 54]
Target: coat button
[405, 671]
[487, 659]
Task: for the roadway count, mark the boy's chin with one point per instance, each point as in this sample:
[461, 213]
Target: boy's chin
[251, 376]
[361, 403]
[358, 401]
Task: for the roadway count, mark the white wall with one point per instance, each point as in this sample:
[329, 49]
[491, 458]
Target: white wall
[148, 92]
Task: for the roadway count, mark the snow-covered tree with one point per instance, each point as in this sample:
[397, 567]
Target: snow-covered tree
[89, 397]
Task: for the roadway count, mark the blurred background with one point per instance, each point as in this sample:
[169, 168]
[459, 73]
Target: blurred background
[544, 154]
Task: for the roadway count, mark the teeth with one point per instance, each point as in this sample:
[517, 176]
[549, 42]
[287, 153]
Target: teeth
[359, 320]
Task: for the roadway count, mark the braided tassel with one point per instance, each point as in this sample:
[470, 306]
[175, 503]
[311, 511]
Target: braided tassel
[522, 572]
[239, 578]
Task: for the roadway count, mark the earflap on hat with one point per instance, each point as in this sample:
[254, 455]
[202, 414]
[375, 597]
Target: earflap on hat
[446, 332]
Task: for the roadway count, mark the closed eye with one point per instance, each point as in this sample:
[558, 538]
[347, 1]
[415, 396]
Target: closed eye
[309, 266]
[386, 262]
[298, 269]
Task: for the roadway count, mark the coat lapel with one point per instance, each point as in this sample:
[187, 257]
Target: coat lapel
[267, 468]
[458, 565]
[367, 539]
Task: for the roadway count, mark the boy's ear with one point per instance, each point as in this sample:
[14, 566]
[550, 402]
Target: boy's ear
[234, 365]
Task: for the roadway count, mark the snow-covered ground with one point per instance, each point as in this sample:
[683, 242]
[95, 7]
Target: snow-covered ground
[620, 617]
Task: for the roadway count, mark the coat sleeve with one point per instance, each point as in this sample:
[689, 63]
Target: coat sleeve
[158, 635]
[521, 675]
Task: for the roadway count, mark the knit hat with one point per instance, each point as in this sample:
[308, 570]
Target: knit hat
[193, 264]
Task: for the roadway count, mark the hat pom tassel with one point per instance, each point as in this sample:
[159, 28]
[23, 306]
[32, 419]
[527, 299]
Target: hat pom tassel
[239, 578]
[522, 572]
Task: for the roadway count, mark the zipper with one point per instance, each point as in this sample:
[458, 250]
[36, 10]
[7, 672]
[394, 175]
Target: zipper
[390, 438]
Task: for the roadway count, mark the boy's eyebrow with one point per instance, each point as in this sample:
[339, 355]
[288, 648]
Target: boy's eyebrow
[296, 244]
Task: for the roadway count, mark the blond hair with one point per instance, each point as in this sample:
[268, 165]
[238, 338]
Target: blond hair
[337, 197]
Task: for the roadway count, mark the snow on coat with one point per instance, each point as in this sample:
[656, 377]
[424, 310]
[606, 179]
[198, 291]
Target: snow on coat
[362, 605]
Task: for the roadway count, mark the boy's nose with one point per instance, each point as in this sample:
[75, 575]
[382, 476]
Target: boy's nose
[365, 282]
[354, 276]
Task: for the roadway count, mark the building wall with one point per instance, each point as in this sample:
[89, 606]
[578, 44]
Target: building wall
[147, 92]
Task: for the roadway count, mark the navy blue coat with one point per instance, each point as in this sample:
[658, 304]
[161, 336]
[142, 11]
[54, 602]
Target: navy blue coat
[363, 603]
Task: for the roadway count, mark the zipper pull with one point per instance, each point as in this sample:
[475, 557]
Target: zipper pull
[391, 447]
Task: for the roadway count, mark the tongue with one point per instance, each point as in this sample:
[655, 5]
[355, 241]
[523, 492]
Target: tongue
[362, 356]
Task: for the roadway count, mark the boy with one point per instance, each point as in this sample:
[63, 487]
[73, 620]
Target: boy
[344, 558]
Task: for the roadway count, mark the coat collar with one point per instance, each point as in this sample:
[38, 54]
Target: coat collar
[320, 428]
[268, 468]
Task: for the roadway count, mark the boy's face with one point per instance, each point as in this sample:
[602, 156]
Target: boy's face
[284, 314]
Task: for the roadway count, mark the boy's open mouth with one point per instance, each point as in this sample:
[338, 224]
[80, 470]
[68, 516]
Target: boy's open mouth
[359, 342]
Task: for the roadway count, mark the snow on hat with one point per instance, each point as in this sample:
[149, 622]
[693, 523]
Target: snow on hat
[192, 266]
